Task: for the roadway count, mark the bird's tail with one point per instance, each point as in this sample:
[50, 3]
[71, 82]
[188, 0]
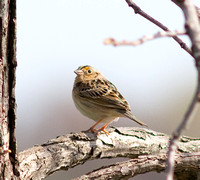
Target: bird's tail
[130, 116]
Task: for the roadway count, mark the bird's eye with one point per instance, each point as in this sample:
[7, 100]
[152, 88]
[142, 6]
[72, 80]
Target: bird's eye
[89, 71]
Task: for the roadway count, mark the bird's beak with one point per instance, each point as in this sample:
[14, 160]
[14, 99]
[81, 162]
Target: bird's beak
[78, 72]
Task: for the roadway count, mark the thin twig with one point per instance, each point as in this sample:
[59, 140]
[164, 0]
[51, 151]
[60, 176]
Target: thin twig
[138, 10]
[111, 41]
[175, 137]
[192, 26]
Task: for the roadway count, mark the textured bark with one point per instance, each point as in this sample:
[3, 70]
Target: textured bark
[7, 85]
[187, 166]
[74, 149]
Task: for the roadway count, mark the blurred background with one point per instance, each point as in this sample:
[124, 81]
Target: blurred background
[157, 78]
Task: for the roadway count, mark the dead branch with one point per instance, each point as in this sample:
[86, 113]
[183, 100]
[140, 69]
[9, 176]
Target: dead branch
[74, 149]
[185, 163]
[138, 10]
[192, 26]
[111, 41]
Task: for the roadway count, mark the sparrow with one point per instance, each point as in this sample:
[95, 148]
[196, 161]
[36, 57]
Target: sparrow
[98, 99]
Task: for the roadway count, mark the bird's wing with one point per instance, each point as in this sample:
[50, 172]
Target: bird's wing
[103, 93]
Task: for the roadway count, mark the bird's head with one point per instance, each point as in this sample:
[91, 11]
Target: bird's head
[87, 72]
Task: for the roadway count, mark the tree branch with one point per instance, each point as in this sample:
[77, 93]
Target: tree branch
[186, 163]
[73, 149]
[192, 26]
[8, 161]
[111, 41]
[138, 10]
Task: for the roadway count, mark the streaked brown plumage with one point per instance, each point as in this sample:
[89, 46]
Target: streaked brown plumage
[97, 98]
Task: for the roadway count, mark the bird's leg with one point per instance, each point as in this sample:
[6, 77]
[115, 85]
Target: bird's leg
[92, 128]
[103, 129]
